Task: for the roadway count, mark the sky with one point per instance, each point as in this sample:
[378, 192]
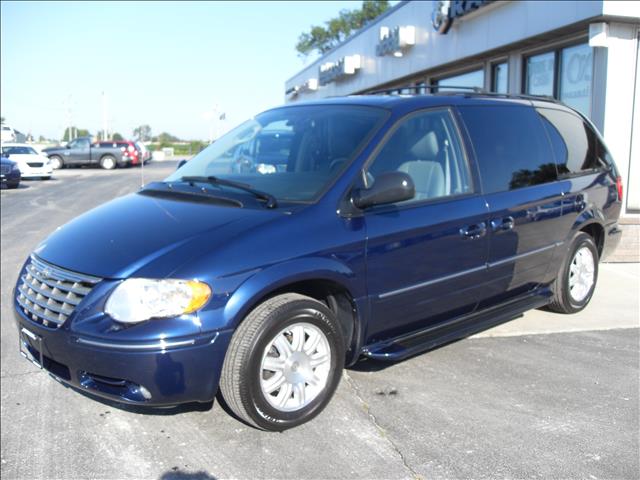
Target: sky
[165, 64]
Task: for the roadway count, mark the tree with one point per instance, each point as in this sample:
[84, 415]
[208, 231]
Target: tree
[143, 132]
[116, 136]
[165, 137]
[77, 132]
[323, 39]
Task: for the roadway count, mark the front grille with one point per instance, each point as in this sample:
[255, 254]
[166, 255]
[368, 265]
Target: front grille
[49, 294]
[4, 169]
[35, 164]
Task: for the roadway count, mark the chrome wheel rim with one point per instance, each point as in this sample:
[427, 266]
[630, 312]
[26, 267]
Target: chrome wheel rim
[295, 367]
[581, 274]
[108, 163]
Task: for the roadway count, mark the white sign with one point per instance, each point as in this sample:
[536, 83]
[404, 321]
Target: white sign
[332, 71]
[310, 85]
[395, 41]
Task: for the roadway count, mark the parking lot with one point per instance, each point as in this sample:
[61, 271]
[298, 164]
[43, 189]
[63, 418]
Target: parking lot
[543, 396]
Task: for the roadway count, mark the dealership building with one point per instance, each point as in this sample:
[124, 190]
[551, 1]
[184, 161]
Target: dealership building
[585, 54]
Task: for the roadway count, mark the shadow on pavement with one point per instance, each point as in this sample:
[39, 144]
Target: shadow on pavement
[176, 474]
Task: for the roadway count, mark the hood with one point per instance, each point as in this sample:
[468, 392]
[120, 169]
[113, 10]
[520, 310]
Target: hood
[53, 149]
[127, 234]
[28, 157]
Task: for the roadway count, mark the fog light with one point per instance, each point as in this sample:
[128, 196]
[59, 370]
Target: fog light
[145, 393]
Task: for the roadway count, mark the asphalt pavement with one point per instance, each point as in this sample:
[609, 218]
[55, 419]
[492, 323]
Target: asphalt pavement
[544, 396]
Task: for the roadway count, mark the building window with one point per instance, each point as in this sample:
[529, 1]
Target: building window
[468, 80]
[500, 77]
[576, 65]
[421, 88]
[565, 74]
[540, 74]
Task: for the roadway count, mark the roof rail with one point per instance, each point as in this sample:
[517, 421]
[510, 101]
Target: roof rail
[426, 87]
[459, 90]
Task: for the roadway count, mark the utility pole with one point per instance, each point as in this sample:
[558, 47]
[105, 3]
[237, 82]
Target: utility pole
[104, 116]
[69, 119]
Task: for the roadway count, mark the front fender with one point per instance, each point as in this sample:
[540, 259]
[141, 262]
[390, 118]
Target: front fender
[273, 278]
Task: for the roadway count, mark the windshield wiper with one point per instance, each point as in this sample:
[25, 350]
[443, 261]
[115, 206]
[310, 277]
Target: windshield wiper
[270, 200]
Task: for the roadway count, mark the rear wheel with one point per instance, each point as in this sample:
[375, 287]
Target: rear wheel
[108, 162]
[576, 280]
[56, 162]
[284, 363]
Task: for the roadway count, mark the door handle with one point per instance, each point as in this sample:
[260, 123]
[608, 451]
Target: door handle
[502, 224]
[474, 231]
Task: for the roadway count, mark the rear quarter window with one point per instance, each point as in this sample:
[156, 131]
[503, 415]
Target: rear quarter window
[576, 147]
[511, 147]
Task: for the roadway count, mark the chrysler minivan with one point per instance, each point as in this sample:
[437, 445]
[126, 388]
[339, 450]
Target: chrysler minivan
[391, 225]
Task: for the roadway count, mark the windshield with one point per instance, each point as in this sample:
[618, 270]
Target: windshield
[19, 151]
[291, 153]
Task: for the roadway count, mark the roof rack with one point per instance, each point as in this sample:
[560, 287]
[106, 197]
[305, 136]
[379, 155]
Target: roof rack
[392, 90]
[459, 90]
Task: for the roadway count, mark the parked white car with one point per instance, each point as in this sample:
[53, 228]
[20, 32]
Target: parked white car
[8, 134]
[31, 163]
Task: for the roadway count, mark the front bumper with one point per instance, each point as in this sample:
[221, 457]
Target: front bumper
[12, 178]
[172, 372]
[36, 172]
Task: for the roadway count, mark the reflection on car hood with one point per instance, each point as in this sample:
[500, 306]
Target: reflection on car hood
[126, 235]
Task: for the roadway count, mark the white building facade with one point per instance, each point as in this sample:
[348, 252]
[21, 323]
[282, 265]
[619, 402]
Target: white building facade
[583, 53]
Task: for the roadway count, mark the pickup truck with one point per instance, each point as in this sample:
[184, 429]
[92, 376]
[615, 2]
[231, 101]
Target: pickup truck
[81, 151]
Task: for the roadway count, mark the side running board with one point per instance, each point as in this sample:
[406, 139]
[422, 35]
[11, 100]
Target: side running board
[423, 340]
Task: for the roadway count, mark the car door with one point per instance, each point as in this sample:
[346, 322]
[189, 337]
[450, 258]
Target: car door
[425, 256]
[520, 184]
[78, 152]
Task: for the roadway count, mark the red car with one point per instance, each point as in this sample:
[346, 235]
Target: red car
[130, 153]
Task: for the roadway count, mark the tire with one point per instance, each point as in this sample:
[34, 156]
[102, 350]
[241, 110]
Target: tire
[56, 162]
[577, 278]
[257, 342]
[45, 178]
[108, 162]
[13, 185]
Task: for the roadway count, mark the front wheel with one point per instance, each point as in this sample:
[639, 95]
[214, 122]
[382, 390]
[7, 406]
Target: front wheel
[108, 162]
[284, 363]
[56, 162]
[576, 280]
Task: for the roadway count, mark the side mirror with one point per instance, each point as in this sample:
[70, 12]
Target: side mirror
[388, 187]
[181, 163]
[67, 146]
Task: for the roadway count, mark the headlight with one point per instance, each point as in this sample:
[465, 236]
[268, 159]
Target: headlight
[15, 168]
[139, 299]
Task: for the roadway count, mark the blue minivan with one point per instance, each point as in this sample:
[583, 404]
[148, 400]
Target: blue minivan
[391, 224]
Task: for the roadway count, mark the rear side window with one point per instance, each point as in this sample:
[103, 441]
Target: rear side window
[576, 146]
[511, 147]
